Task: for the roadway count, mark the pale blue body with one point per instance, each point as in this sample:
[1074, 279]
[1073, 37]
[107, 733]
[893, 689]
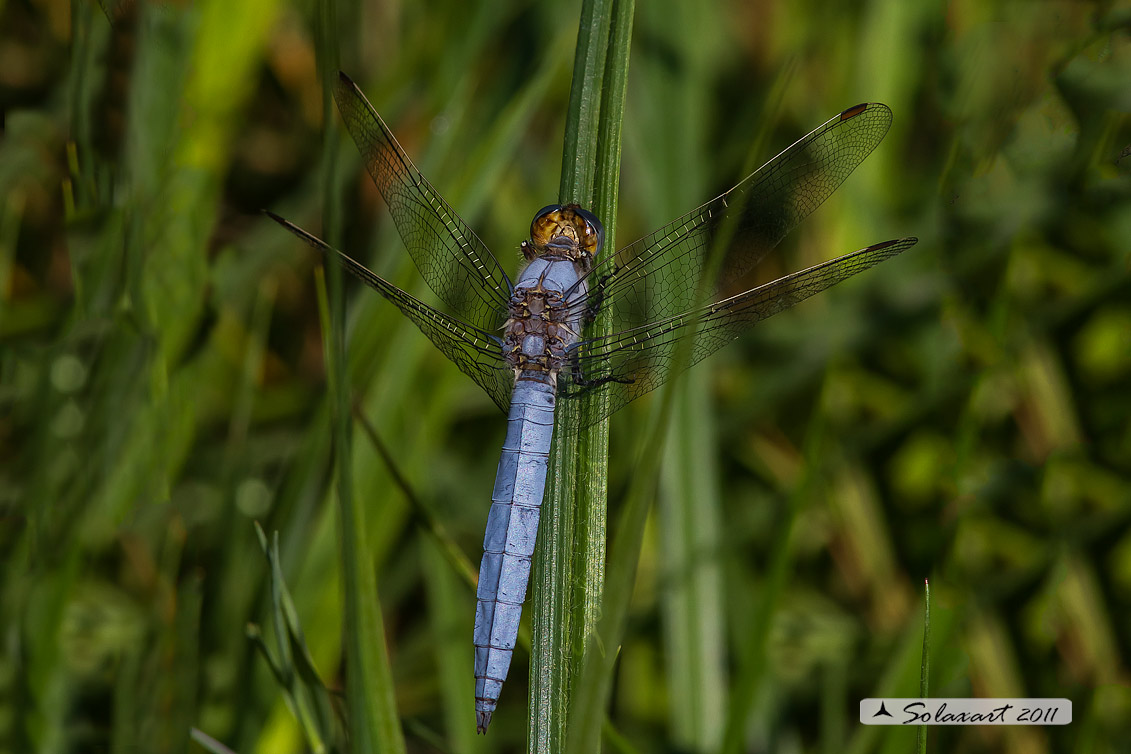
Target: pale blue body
[512, 526]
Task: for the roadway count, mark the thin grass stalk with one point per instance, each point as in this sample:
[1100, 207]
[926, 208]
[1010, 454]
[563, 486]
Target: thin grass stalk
[558, 607]
[925, 667]
[690, 509]
[904, 665]
[753, 662]
[79, 102]
[208, 743]
[422, 512]
[370, 703]
[596, 677]
[302, 689]
[593, 444]
[579, 153]
[592, 459]
[691, 600]
[372, 715]
[595, 684]
[833, 692]
[594, 687]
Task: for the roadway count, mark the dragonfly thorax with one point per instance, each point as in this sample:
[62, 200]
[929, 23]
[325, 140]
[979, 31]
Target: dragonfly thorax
[543, 323]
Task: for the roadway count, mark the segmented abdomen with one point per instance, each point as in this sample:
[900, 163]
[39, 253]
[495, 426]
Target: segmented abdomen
[512, 528]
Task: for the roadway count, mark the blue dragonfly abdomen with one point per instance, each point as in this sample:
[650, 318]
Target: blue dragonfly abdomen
[508, 545]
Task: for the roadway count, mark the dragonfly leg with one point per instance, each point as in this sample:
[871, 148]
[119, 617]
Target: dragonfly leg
[585, 384]
[596, 298]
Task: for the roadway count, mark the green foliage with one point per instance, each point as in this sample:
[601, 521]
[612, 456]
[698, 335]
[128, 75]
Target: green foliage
[960, 413]
[291, 664]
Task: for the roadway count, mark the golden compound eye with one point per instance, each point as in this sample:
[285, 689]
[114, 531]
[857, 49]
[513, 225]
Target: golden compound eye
[590, 232]
[544, 222]
[586, 235]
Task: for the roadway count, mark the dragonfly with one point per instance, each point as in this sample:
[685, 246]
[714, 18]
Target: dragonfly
[524, 341]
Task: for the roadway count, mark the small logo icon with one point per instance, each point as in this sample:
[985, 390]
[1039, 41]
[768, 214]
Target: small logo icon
[883, 711]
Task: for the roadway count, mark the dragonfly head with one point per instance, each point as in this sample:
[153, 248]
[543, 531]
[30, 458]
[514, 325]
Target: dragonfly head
[568, 231]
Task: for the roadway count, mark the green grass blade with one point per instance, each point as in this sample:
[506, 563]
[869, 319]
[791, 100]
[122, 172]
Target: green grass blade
[592, 462]
[588, 705]
[370, 699]
[690, 515]
[209, 743]
[900, 673]
[451, 624]
[293, 668]
[924, 686]
[427, 518]
[672, 156]
[579, 153]
[569, 566]
[752, 662]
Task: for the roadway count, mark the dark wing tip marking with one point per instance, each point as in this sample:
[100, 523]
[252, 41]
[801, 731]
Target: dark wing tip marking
[345, 79]
[302, 234]
[909, 241]
[855, 110]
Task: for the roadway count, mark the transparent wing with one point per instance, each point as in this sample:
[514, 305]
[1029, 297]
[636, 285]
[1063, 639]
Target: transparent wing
[630, 363]
[451, 258]
[477, 353]
[659, 275]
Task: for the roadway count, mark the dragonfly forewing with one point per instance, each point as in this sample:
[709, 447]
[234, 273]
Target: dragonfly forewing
[661, 274]
[457, 266]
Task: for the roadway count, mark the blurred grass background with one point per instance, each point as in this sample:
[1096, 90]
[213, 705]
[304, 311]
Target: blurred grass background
[962, 413]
